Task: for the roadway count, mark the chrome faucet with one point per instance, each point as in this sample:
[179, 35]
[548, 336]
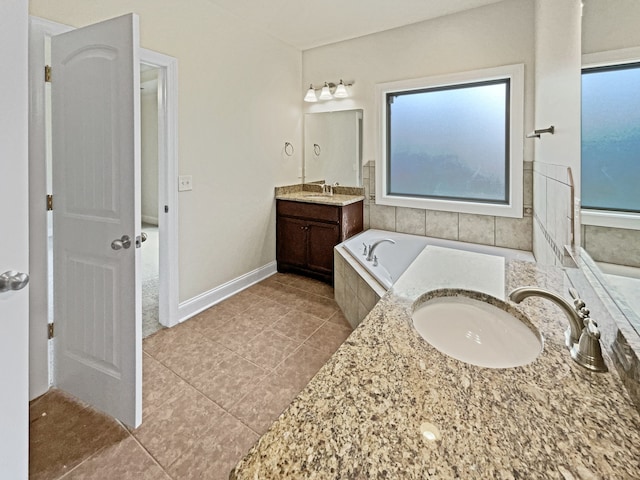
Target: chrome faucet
[582, 337]
[375, 245]
[327, 189]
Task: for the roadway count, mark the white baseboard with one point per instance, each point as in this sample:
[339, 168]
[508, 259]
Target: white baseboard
[149, 219]
[195, 305]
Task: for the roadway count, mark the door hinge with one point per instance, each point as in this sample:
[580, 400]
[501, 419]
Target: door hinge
[50, 330]
[47, 73]
[49, 202]
[166, 209]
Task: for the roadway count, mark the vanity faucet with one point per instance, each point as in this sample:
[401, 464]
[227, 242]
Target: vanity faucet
[375, 245]
[582, 337]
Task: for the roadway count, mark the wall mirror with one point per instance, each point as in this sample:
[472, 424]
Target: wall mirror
[616, 289]
[610, 140]
[333, 148]
[621, 283]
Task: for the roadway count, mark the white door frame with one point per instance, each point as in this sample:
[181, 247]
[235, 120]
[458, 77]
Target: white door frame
[39, 352]
[167, 182]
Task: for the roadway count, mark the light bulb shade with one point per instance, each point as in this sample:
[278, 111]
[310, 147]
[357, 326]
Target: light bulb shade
[325, 94]
[341, 91]
[311, 95]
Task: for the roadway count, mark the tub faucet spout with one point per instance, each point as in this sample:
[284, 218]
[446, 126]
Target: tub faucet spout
[375, 245]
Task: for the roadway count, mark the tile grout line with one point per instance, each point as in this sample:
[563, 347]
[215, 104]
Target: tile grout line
[153, 458]
[304, 293]
[94, 454]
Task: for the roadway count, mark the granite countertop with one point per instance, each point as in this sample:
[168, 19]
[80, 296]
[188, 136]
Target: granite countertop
[312, 193]
[310, 197]
[360, 417]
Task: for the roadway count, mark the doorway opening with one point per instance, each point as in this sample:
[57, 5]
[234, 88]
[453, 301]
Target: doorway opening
[165, 290]
[149, 199]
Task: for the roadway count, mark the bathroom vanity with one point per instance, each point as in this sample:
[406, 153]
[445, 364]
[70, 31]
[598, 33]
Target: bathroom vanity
[389, 405]
[309, 224]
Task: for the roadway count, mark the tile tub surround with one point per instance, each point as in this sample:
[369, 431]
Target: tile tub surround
[612, 245]
[484, 229]
[360, 416]
[357, 291]
[553, 214]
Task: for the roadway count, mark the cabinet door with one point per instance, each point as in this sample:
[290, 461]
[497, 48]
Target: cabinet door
[291, 241]
[322, 237]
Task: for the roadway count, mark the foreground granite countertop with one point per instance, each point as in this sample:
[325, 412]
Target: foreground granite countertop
[360, 417]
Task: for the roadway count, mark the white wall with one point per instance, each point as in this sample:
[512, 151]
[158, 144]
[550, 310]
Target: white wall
[498, 34]
[490, 36]
[610, 25]
[239, 101]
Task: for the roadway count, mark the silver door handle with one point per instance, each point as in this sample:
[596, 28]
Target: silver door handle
[12, 280]
[124, 242]
[144, 237]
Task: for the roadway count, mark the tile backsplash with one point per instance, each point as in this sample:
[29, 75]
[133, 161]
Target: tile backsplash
[483, 229]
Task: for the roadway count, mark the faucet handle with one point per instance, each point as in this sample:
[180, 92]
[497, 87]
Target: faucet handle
[578, 303]
[365, 248]
[591, 328]
[588, 351]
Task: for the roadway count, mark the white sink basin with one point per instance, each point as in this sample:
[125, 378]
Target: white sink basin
[477, 332]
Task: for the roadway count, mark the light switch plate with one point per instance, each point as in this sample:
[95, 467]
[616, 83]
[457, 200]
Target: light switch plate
[185, 183]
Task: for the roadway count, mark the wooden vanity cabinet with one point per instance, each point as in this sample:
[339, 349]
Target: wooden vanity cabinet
[307, 232]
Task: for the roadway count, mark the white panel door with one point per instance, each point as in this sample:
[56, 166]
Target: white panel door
[14, 242]
[95, 95]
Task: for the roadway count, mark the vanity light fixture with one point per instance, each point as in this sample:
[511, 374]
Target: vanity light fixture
[329, 91]
[325, 94]
[311, 95]
[341, 91]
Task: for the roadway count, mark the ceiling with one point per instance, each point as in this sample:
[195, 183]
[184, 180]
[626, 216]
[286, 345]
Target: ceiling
[306, 24]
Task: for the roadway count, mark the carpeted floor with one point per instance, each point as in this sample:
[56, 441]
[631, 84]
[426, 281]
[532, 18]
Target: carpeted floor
[150, 281]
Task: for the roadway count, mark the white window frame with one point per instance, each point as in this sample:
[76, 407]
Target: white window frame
[604, 218]
[513, 207]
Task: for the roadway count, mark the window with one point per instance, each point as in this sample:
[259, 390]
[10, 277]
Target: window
[611, 138]
[454, 143]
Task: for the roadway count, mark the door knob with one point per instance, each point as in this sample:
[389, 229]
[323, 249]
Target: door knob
[12, 280]
[144, 237]
[124, 242]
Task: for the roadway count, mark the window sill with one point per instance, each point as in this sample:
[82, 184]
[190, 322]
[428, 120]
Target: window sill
[601, 218]
[514, 210]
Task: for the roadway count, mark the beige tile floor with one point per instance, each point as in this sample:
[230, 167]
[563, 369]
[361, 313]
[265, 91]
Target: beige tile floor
[212, 386]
